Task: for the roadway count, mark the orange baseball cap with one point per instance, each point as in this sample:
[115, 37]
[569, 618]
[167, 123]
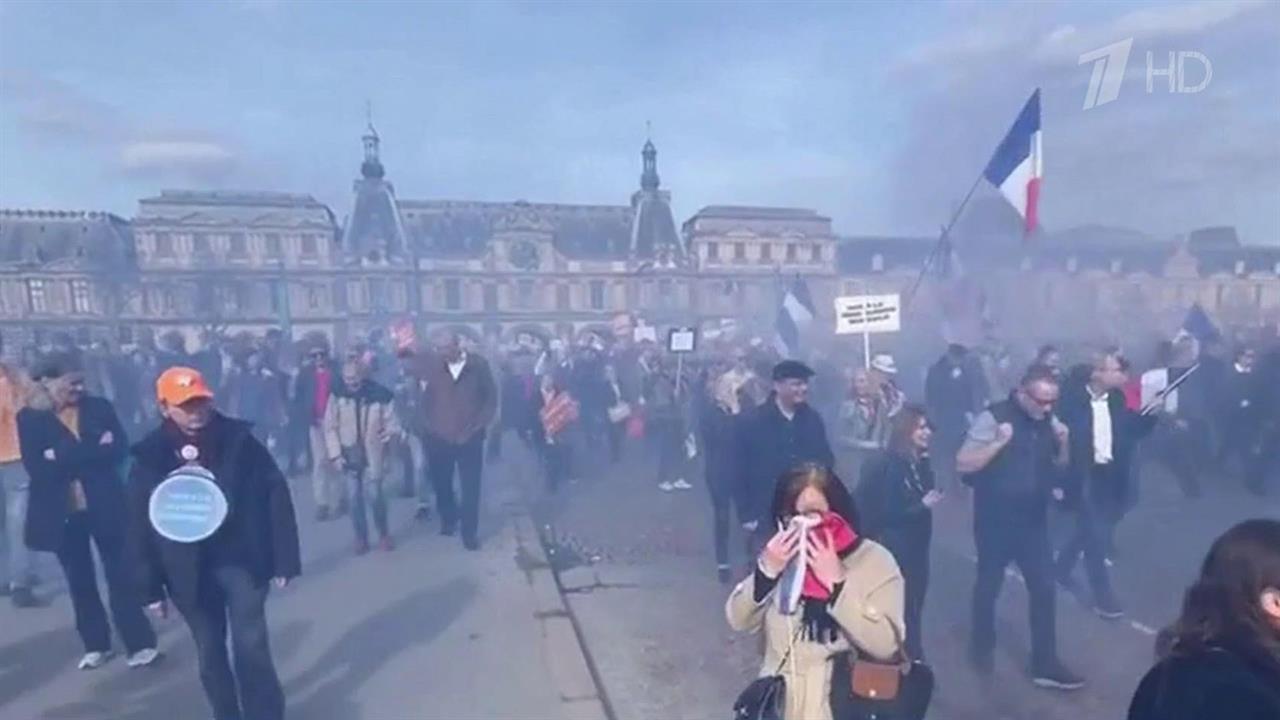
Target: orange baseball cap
[177, 385]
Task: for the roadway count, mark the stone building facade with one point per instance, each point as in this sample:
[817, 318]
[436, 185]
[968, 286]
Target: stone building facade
[246, 261]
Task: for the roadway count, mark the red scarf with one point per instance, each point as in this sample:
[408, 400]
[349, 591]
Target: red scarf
[842, 538]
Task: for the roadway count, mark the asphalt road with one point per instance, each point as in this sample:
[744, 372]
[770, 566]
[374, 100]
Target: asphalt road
[640, 577]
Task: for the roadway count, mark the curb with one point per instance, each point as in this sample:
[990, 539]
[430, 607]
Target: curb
[577, 682]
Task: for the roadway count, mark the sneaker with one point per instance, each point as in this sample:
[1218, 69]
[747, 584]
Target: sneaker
[22, 597]
[386, 544]
[423, 512]
[94, 660]
[665, 486]
[1068, 583]
[1056, 676]
[1108, 561]
[471, 543]
[681, 484]
[143, 658]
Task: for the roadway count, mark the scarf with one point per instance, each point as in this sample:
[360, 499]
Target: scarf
[801, 590]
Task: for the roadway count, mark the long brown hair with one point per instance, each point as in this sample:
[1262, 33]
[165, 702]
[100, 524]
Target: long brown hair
[793, 482]
[1222, 608]
[903, 426]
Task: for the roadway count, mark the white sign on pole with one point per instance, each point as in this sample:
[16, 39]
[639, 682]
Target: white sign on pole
[868, 314]
[682, 340]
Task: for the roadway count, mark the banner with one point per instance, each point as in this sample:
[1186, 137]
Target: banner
[868, 314]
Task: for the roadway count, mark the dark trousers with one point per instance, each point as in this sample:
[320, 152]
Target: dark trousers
[720, 485]
[667, 434]
[468, 458]
[943, 447]
[1002, 538]
[913, 560]
[1185, 451]
[555, 462]
[1096, 514]
[253, 692]
[616, 431]
[82, 583]
[298, 445]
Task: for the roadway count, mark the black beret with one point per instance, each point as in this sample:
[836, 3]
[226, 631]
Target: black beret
[792, 370]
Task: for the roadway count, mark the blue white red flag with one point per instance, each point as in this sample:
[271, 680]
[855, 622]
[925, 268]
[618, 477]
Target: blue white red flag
[1016, 167]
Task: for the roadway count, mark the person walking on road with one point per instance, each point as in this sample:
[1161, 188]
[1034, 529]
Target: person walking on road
[954, 393]
[460, 401]
[313, 387]
[1013, 458]
[852, 593]
[358, 425]
[1104, 434]
[779, 435]
[72, 448]
[1221, 657]
[557, 410]
[17, 564]
[220, 583]
[896, 497]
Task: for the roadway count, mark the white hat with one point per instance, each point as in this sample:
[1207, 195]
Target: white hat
[884, 363]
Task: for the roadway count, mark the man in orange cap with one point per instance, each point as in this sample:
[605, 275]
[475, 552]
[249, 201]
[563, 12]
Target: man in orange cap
[222, 581]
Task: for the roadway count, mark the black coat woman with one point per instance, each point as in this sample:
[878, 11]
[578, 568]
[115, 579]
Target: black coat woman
[896, 496]
[1221, 657]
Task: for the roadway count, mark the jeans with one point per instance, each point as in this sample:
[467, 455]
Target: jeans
[1003, 538]
[363, 490]
[468, 458]
[82, 584]
[555, 460]
[416, 481]
[230, 593]
[17, 564]
[323, 483]
[1095, 521]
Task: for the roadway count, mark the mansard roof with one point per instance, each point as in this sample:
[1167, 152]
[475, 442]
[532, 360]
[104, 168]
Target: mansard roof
[45, 238]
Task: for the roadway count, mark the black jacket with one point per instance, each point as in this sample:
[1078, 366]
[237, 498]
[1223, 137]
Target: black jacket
[94, 463]
[1210, 685]
[769, 445]
[951, 391]
[260, 532]
[890, 499]
[1127, 428]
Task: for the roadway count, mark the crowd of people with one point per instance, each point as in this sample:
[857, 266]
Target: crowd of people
[379, 419]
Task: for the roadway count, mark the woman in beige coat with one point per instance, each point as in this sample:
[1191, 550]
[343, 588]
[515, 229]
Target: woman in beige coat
[863, 607]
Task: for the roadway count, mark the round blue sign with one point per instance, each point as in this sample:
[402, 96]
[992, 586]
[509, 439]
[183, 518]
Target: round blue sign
[188, 506]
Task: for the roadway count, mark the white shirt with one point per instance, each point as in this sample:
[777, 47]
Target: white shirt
[1102, 438]
[455, 368]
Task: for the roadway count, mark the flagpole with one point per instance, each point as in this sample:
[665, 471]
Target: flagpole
[942, 241]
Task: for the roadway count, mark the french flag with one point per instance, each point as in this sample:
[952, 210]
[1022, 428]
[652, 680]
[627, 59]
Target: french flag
[1016, 166]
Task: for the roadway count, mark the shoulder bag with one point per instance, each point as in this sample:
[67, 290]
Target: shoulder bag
[766, 697]
[863, 689]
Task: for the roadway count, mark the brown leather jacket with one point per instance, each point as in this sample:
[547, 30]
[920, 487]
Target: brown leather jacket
[456, 410]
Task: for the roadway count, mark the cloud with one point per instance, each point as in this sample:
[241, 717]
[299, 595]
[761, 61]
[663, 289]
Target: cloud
[1164, 163]
[50, 108]
[185, 158]
[60, 113]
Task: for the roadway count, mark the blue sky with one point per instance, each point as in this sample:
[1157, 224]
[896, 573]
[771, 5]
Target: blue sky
[877, 114]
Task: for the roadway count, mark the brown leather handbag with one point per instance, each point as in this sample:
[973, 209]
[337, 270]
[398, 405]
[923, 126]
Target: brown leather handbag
[863, 689]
